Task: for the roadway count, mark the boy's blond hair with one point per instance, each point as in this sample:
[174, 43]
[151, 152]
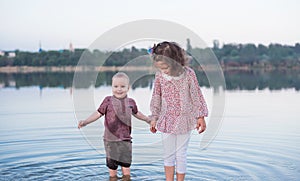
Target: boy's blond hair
[121, 75]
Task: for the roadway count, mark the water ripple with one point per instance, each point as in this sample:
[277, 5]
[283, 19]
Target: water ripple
[253, 144]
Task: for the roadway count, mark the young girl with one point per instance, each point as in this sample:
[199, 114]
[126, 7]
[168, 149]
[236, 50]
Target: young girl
[117, 135]
[177, 105]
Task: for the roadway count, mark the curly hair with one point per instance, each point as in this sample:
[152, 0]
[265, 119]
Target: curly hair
[171, 50]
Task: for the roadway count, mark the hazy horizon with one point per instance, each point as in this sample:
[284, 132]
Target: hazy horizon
[56, 24]
[138, 47]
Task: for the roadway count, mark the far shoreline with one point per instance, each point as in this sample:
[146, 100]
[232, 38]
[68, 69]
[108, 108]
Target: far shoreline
[33, 69]
[70, 69]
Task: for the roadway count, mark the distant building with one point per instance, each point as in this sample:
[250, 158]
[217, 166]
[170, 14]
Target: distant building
[216, 44]
[188, 45]
[71, 48]
[11, 54]
[2, 53]
[40, 47]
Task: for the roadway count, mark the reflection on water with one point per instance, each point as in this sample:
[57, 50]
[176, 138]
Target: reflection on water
[258, 79]
[235, 80]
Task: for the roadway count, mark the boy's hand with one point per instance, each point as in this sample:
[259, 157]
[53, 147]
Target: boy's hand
[152, 126]
[81, 124]
[201, 124]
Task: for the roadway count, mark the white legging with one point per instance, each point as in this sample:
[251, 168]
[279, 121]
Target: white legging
[175, 150]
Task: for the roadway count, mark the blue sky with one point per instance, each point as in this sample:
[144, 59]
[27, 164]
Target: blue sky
[56, 23]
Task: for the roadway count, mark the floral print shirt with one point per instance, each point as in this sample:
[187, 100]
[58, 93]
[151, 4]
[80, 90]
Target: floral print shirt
[177, 102]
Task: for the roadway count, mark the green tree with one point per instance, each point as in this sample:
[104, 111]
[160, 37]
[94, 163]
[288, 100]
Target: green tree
[248, 53]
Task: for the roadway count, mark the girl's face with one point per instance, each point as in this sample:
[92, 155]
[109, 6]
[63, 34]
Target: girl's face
[163, 67]
[120, 87]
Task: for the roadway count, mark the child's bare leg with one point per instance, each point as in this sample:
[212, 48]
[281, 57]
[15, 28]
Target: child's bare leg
[180, 176]
[126, 170]
[112, 173]
[126, 174]
[169, 171]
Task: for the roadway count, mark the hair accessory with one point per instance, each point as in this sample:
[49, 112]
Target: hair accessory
[150, 51]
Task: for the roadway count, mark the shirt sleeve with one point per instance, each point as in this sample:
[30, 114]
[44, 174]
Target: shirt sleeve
[103, 106]
[198, 100]
[155, 104]
[134, 107]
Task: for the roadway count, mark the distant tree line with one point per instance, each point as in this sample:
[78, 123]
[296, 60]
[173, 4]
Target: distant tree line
[276, 55]
[43, 58]
[71, 58]
[233, 55]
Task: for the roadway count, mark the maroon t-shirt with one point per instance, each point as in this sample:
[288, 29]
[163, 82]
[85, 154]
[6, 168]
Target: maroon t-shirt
[117, 117]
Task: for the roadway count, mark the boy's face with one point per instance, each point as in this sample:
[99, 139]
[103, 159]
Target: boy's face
[120, 87]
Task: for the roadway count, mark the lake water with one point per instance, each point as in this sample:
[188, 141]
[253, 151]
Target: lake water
[259, 138]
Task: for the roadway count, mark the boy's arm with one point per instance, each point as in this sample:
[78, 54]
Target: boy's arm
[93, 117]
[148, 120]
[142, 117]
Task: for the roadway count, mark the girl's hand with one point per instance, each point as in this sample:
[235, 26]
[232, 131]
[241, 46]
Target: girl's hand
[201, 124]
[152, 126]
[81, 124]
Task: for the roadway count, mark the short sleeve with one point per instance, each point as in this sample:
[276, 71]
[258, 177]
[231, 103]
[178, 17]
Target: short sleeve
[133, 106]
[103, 106]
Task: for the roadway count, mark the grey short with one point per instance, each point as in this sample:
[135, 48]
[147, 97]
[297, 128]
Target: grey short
[118, 153]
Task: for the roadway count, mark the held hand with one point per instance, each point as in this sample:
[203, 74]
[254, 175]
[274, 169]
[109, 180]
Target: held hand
[201, 125]
[81, 124]
[152, 126]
